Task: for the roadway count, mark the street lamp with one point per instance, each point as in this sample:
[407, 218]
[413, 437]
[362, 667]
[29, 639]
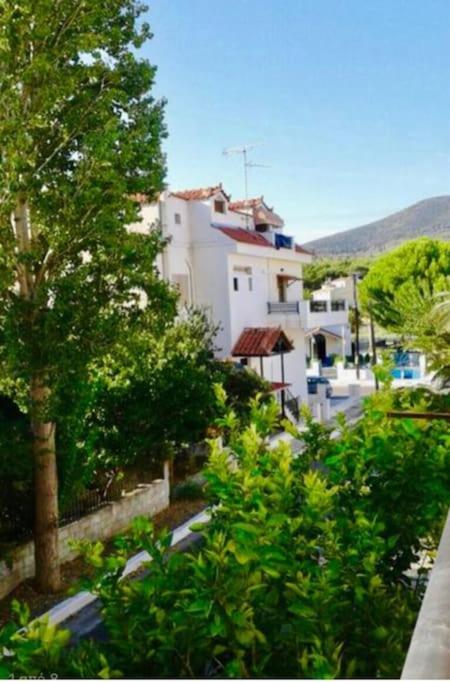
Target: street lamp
[356, 276]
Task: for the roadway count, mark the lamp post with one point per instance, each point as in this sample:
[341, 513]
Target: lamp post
[356, 277]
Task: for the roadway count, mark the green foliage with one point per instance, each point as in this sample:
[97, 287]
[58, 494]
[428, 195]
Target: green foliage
[152, 392]
[432, 337]
[80, 134]
[399, 287]
[322, 269]
[304, 567]
[188, 490]
[241, 385]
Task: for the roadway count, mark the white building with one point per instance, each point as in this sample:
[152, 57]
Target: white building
[234, 260]
[328, 319]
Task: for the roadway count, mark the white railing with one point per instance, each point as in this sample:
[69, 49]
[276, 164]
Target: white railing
[283, 307]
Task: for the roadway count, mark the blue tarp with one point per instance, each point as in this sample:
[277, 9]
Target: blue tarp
[282, 241]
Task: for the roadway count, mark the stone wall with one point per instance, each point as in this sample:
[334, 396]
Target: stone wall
[147, 500]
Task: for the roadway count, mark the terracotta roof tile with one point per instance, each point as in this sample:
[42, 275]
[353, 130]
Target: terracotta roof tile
[260, 211]
[199, 193]
[277, 386]
[301, 250]
[245, 203]
[261, 341]
[246, 236]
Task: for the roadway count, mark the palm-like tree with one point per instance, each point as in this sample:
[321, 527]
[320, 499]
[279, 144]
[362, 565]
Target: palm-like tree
[433, 337]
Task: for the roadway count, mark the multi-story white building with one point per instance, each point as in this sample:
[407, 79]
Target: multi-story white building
[328, 319]
[234, 260]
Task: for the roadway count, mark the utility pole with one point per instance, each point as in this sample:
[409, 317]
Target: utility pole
[374, 348]
[355, 277]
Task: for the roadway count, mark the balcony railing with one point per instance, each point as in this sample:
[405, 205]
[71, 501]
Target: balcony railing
[283, 307]
[318, 306]
[338, 305]
[323, 307]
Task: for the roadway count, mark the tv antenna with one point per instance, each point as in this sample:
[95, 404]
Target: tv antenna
[244, 150]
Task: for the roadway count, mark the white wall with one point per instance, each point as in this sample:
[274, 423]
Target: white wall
[210, 260]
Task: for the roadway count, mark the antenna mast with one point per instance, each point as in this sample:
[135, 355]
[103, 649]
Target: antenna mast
[244, 150]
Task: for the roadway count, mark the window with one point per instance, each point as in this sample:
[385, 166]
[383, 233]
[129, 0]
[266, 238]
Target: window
[318, 306]
[281, 283]
[219, 206]
[250, 284]
[236, 284]
[177, 219]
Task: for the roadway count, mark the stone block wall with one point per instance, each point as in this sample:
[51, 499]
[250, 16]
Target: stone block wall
[146, 500]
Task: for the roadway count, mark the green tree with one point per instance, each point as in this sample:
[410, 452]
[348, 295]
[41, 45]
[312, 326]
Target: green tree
[153, 393]
[431, 331]
[317, 272]
[399, 286]
[80, 135]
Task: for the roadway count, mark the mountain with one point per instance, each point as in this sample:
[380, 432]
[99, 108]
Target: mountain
[429, 218]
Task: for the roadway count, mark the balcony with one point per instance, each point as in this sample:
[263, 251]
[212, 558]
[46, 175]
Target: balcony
[283, 307]
[326, 313]
[287, 314]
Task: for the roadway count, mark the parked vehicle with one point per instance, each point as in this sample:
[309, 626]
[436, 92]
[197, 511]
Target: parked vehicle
[313, 382]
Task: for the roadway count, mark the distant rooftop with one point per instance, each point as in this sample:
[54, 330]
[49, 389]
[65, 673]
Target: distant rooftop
[200, 193]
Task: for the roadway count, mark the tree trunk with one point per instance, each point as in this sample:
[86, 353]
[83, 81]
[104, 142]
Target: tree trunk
[45, 491]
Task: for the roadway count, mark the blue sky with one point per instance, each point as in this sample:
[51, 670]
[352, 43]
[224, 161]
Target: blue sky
[351, 99]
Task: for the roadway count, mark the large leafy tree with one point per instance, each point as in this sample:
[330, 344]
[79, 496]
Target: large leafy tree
[154, 393]
[399, 288]
[80, 136]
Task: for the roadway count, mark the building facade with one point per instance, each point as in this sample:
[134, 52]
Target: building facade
[234, 260]
[327, 314]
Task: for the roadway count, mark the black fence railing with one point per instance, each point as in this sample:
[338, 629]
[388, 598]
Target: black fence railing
[89, 501]
[16, 510]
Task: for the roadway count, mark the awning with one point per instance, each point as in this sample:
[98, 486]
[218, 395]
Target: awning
[262, 341]
[324, 331]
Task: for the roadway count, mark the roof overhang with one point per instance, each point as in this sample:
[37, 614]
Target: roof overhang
[262, 341]
[324, 331]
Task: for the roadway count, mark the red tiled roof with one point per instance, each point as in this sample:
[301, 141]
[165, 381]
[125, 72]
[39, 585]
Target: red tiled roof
[300, 250]
[261, 341]
[200, 193]
[277, 386]
[260, 211]
[245, 203]
[247, 236]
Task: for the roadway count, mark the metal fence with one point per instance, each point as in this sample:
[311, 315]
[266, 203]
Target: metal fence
[16, 510]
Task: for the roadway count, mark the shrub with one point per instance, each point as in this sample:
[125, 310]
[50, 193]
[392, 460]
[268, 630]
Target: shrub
[302, 571]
